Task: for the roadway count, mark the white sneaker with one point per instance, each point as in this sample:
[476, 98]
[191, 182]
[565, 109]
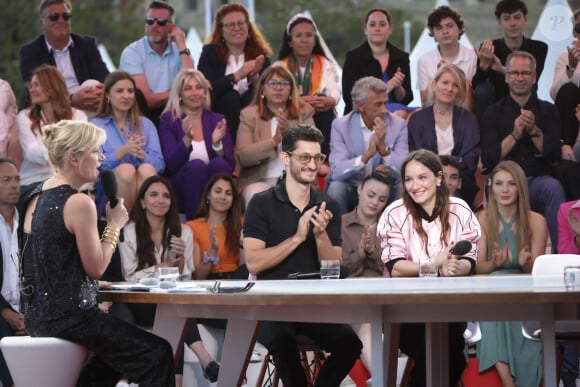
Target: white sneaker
[369, 382]
[122, 384]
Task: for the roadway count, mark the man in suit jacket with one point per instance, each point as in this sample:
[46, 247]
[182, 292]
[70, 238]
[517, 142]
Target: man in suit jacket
[76, 56]
[11, 320]
[362, 139]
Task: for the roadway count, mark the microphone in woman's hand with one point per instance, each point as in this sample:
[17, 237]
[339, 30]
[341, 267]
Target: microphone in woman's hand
[461, 248]
[109, 183]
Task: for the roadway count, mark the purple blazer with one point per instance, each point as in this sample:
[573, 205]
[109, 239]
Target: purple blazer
[175, 153]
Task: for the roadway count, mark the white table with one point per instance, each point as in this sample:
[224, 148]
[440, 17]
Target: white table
[382, 302]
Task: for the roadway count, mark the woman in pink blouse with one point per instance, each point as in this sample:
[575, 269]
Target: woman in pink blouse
[426, 223]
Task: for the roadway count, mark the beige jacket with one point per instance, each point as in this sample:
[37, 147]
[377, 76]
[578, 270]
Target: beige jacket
[254, 148]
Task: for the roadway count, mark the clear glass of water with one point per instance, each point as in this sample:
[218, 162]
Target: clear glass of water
[168, 274]
[428, 267]
[572, 277]
[330, 269]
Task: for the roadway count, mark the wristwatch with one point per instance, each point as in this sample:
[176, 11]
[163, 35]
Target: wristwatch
[385, 152]
[537, 133]
[185, 52]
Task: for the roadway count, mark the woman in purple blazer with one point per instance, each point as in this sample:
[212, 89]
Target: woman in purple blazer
[446, 128]
[195, 142]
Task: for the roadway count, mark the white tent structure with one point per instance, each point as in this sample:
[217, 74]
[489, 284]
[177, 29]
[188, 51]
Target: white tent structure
[424, 44]
[106, 57]
[555, 29]
[194, 43]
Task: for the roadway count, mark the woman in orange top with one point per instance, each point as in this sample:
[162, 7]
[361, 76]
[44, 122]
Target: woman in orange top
[217, 229]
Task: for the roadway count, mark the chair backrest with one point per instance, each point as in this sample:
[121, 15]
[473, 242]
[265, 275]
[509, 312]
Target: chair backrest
[554, 264]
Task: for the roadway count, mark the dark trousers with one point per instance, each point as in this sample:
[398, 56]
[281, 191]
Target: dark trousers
[117, 349]
[412, 343]
[338, 339]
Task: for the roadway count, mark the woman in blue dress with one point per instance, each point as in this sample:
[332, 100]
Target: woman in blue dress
[512, 237]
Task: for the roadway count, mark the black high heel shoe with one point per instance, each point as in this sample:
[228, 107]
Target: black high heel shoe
[211, 371]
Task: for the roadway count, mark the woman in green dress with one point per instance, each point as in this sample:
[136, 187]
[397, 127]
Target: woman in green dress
[512, 237]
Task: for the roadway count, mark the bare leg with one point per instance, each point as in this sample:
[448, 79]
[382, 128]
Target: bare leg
[126, 182]
[202, 354]
[363, 332]
[503, 371]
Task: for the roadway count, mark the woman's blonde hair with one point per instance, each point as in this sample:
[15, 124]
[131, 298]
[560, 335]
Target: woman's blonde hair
[175, 103]
[71, 136]
[458, 77]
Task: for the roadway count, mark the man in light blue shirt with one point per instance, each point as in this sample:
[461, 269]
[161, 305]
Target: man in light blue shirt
[155, 59]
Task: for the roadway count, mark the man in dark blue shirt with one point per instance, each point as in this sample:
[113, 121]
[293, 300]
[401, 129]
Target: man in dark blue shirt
[291, 228]
[522, 128]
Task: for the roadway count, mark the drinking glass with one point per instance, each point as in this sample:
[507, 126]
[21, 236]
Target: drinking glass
[428, 267]
[168, 274]
[330, 269]
[571, 276]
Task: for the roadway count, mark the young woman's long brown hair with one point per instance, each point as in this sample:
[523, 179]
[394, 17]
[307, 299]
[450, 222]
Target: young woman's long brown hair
[172, 225]
[441, 209]
[53, 86]
[233, 222]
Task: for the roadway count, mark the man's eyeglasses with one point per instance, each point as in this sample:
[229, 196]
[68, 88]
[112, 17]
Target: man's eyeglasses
[160, 21]
[304, 158]
[230, 26]
[88, 191]
[274, 83]
[55, 16]
[516, 74]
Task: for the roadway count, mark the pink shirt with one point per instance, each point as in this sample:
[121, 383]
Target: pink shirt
[566, 244]
[399, 240]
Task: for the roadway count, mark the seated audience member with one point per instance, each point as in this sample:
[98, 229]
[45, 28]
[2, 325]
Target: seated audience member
[364, 138]
[154, 60]
[451, 173]
[233, 61]
[489, 80]
[424, 224]
[315, 75]
[526, 130]
[11, 319]
[196, 142]
[217, 230]
[154, 238]
[378, 58]
[361, 251]
[448, 129]
[569, 227]
[62, 258]
[275, 108]
[446, 27]
[49, 104]
[308, 233]
[512, 237]
[132, 147]
[76, 56]
[9, 144]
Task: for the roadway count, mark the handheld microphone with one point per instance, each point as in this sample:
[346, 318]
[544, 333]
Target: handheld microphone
[109, 183]
[461, 248]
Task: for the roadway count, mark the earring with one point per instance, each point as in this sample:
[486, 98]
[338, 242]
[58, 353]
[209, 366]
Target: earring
[262, 96]
[108, 100]
[143, 206]
[290, 98]
[74, 159]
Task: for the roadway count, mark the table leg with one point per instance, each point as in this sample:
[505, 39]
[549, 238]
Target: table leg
[437, 354]
[169, 326]
[240, 335]
[549, 346]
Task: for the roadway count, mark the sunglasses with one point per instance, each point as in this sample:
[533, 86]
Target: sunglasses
[160, 21]
[55, 16]
[88, 191]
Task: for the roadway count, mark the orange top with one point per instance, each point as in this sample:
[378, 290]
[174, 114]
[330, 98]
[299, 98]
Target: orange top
[228, 262]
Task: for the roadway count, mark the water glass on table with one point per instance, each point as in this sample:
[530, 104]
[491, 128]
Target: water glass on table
[428, 267]
[572, 277]
[168, 274]
[330, 269]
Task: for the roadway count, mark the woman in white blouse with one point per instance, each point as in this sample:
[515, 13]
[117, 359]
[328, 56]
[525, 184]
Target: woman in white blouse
[50, 104]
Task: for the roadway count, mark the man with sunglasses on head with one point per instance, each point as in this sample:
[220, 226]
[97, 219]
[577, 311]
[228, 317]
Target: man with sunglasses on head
[155, 59]
[522, 128]
[290, 228]
[364, 138]
[76, 56]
